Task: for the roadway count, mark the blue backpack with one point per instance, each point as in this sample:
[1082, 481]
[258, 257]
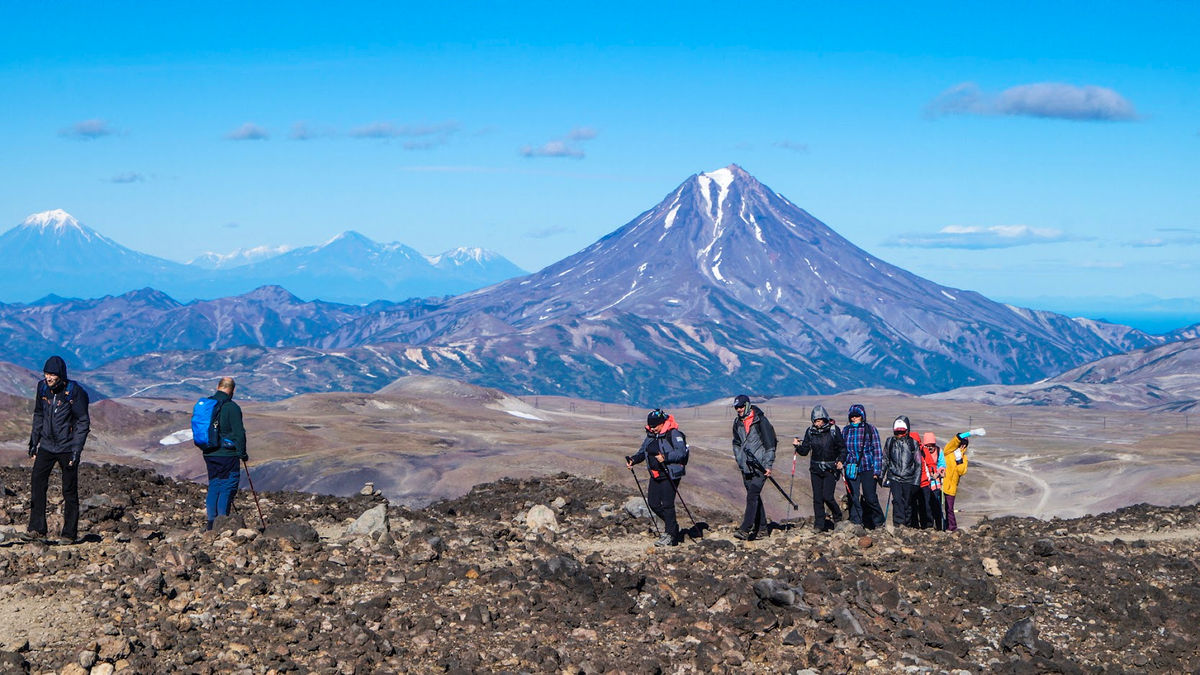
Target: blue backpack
[206, 415]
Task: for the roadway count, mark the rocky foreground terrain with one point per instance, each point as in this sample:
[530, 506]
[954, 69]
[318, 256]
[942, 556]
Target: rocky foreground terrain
[556, 575]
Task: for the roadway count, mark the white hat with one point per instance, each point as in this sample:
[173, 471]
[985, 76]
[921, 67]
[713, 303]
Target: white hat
[899, 425]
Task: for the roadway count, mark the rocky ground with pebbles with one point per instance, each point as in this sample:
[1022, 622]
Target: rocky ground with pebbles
[557, 575]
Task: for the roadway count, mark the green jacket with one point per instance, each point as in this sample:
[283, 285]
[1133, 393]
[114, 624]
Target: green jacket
[230, 427]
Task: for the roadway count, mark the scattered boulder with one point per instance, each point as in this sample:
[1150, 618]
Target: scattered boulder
[296, 531]
[230, 523]
[1044, 548]
[541, 518]
[372, 523]
[12, 662]
[636, 507]
[991, 566]
[150, 592]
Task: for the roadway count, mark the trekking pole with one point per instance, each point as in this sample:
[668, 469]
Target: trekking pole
[644, 500]
[792, 483]
[255, 493]
[685, 506]
[756, 465]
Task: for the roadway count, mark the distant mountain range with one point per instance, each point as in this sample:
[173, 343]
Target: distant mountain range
[1161, 379]
[723, 287]
[52, 253]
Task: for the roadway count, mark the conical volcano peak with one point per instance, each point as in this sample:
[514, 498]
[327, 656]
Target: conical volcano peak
[55, 219]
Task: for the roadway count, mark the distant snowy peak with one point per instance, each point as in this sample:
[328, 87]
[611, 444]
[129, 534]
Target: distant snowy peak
[58, 223]
[237, 257]
[463, 255]
[55, 219]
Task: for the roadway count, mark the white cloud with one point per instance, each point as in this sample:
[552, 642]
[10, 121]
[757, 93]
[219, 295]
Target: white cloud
[88, 130]
[977, 237]
[303, 131]
[248, 132]
[1055, 100]
[791, 145]
[568, 146]
[127, 177]
[552, 149]
[389, 130]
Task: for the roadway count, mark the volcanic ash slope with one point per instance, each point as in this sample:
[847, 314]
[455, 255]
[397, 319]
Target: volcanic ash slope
[466, 585]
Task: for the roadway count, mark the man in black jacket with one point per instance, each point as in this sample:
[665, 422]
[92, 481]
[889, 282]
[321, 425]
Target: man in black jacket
[824, 440]
[60, 428]
[754, 450]
[902, 466]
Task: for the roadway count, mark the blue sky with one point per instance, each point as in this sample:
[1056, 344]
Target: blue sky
[1034, 154]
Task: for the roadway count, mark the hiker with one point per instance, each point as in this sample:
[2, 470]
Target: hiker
[224, 471]
[754, 450]
[665, 453]
[864, 468]
[955, 453]
[902, 468]
[60, 428]
[933, 468]
[824, 441]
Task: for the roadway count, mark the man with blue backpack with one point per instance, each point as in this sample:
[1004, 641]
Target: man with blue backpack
[218, 431]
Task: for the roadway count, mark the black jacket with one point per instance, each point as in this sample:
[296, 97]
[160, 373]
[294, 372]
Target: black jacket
[826, 445]
[902, 458]
[760, 442]
[60, 415]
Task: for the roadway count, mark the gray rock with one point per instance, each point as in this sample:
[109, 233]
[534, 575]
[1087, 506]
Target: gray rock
[849, 527]
[298, 531]
[847, 622]
[775, 591]
[636, 507]
[232, 523]
[371, 523]
[1022, 632]
[12, 662]
[541, 518]
[1044, 548]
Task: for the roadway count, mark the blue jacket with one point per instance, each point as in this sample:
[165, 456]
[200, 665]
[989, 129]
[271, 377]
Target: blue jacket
[672, 445]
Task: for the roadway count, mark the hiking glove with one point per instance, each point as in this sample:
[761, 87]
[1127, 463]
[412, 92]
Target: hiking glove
[32, 448]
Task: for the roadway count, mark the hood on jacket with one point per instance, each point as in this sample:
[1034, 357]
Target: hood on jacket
[56, 366]
[819, 413]
[857, 409]
[929, 438]
[666, 426]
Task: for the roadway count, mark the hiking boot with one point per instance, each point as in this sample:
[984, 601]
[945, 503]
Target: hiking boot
[31, 536]
[744, 535]
[665, 540]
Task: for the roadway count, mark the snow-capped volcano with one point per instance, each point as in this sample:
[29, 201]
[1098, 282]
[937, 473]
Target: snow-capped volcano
[725, 285]
[53, 253]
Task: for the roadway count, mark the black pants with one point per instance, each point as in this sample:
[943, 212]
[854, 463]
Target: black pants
[662, 503]
[902, 496]
[823, 485]
[931, 509]
[865, 511]
[755, 518]
[42, 467]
